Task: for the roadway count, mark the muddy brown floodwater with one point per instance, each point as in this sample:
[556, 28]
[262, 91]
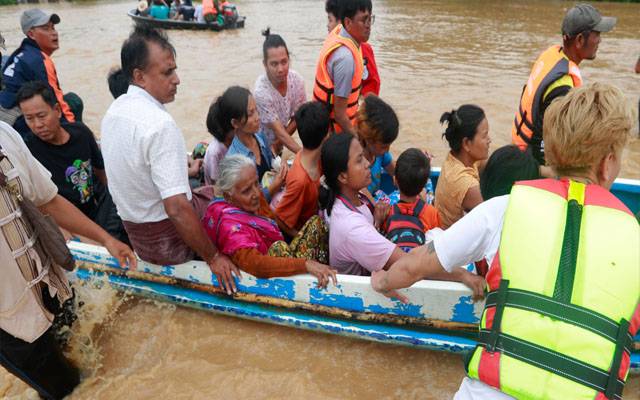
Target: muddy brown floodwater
[433, 56]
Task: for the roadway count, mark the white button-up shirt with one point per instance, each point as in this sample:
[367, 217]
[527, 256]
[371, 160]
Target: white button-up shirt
[145, 156]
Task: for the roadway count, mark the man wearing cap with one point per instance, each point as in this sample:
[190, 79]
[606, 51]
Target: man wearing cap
[556, 72]
[32, 62]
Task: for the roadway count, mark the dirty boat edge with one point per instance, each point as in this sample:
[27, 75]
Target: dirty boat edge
[440, 315]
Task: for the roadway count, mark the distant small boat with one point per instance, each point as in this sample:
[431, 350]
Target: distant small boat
[176, 24]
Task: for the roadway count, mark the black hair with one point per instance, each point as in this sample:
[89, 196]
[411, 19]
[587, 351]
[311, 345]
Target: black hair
[231, 105]
[461, 123]
[36, 88]
[332, 7]
[376, 121]
[412, 171]
[118, 83]
[312, 120]
[272, 41]
[334, 158]
[135, 50]
[506, 166]
[349, 8]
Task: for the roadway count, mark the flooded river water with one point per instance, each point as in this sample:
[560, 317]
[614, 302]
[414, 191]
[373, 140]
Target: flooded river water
[432, 56]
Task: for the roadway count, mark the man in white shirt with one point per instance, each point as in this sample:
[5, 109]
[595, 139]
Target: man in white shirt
[599, 113]
[146, 162]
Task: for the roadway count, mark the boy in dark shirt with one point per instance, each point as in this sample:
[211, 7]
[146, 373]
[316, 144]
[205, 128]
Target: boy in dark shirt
[70, 152]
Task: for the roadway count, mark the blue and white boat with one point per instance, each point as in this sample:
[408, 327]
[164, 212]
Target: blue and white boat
[439, 316]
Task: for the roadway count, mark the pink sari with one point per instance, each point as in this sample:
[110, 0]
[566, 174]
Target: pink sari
[232, 229]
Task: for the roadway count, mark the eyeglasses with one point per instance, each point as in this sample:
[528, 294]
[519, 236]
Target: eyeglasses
[368, 21]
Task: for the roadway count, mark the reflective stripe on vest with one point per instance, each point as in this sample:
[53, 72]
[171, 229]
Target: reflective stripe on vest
[549, 67]
[564, 304]
[323, 86]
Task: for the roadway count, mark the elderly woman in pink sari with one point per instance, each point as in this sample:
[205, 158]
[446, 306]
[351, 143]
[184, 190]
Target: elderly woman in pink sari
[242, 226]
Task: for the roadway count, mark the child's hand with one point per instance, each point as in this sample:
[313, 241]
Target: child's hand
[380, 213]
[281, 176]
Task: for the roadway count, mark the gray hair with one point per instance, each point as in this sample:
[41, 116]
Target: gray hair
[229, 170]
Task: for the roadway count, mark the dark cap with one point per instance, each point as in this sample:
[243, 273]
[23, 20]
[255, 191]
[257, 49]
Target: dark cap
[36, 17]
[584, 17]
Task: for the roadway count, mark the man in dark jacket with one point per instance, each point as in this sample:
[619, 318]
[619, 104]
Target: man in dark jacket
[32, 62]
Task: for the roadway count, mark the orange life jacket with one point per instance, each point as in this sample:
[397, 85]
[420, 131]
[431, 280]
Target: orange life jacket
[208, 8]
[323, 87]
[552, 65]
[52, 78]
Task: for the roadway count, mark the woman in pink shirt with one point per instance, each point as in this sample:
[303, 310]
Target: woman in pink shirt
[355, 245]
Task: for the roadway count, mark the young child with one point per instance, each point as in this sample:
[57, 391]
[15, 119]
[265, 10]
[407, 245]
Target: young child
[411, 217]
[300, 200]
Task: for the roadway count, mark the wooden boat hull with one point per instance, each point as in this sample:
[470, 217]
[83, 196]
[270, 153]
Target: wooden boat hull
[174, 24]
[440, 316]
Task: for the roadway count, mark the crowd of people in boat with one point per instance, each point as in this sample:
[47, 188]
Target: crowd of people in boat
[209, 11]
[343, 204]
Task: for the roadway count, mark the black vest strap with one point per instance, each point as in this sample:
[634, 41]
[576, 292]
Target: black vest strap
[556, 363]
[569, 313]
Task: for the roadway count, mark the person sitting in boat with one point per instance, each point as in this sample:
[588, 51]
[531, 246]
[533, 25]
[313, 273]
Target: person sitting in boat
[572, 286]
[355, 245]
[186, 10]
[250, 141]
[458, 189]
[223, 113]
[377, 126]
[117, 81]
[215, 11]
[242, 226]
[299, 202]
[70, 152]
[159, 10]
[278, 92]
[143, 8]
[411, 217]
[145, 160]
[505, 167]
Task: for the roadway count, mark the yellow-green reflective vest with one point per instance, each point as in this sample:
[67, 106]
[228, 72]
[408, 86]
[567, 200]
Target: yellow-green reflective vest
[564, 295]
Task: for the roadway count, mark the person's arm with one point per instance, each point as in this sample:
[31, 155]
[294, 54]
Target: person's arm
[340, 110]
[185, 220]
[278, 181]
[422, 262]
[638, 66]
[388, 163]
[472, 198]
[73, 220]
[470, 239]
[264, 266]
[284, 135]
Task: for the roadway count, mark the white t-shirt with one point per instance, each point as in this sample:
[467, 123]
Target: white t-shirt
[472, 238]
[145, 156]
